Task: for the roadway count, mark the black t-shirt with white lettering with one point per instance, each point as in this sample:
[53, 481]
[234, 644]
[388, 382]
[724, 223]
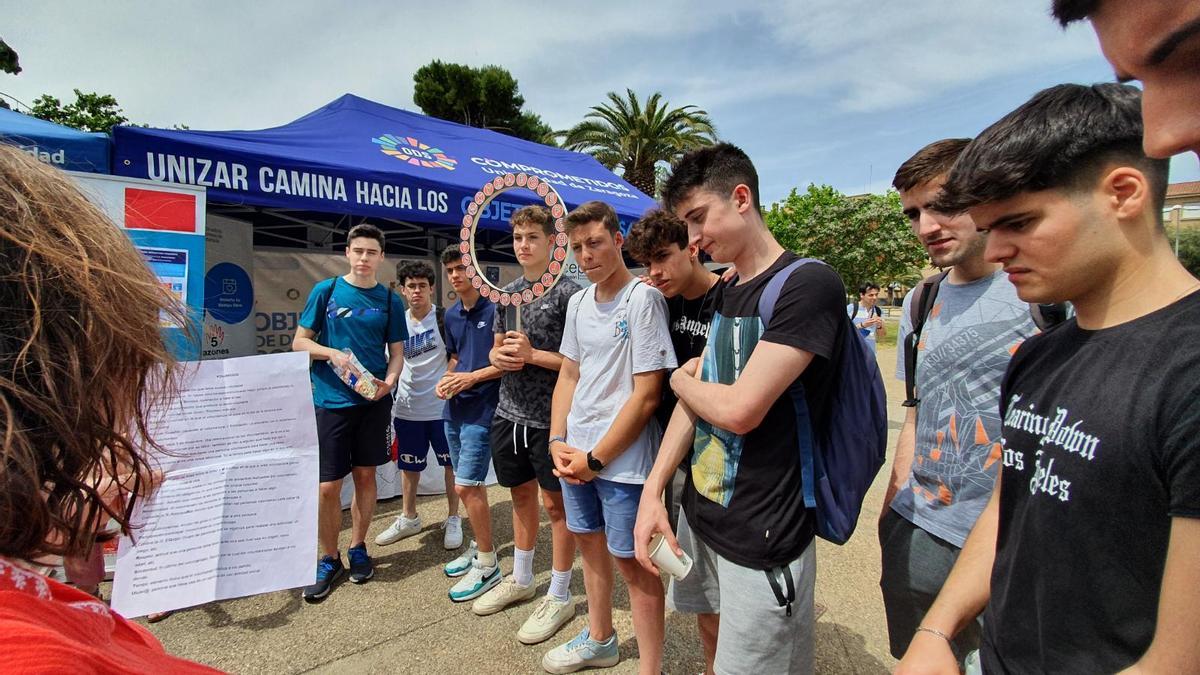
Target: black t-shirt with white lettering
[743, 494]
[1101, 451]
[688, 322]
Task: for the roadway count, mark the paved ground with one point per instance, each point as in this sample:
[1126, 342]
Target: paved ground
[402, 621]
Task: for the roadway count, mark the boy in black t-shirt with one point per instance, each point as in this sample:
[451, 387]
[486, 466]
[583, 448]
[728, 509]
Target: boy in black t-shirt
[1085, 557]
[753, 543]
[659, 241]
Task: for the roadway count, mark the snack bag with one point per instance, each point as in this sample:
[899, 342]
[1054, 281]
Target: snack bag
[357, 377]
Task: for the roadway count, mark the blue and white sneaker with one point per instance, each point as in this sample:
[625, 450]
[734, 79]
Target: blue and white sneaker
[462, 564]
[329, 568]
[477, 581]
[582, 652]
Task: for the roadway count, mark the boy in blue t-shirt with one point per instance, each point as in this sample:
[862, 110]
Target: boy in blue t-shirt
[356, 313]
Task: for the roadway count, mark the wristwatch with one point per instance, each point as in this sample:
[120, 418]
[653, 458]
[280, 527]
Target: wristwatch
[594, 464]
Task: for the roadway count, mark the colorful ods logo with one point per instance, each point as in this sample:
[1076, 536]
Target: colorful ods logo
[409, 149]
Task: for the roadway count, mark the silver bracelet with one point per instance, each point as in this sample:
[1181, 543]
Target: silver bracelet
[924, 629]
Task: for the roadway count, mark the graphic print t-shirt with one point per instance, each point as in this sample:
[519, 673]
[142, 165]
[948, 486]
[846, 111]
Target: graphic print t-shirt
[970, 335]
[424, 365]
[1101, 451]
[688, 321]
[743, 494]
[358, 318]
[612, 342]
[525, 394]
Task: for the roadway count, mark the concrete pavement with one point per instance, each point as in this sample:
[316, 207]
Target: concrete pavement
[402, 621]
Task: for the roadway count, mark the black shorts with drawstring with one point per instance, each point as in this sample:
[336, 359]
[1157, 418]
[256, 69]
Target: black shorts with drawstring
[521, 453]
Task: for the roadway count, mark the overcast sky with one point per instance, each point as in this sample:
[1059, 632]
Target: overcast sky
[824, 91]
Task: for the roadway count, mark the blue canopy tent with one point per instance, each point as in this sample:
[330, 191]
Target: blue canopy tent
[355, 157]
[64, 147]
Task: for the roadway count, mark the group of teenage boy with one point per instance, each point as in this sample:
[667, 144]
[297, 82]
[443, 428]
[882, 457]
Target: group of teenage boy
[1041, 514]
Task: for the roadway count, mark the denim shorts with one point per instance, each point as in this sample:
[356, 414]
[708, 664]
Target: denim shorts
[470, 452]
[604, 506]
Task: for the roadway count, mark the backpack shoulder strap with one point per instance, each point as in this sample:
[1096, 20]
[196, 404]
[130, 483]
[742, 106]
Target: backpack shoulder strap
[854, 312]
[439, 314]
[770, 294]
[323, 307]
[918, 312]
[1048, 315]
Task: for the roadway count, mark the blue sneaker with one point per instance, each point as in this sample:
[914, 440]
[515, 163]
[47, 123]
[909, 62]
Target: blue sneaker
[361, 568]
[477, 581]
[582, 652]
[329, 569]
[462, 564]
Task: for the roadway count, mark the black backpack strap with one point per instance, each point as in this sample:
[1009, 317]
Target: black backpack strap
[1047, 315]
[918, 313]
[439, 314]
[323, 307]
[854, 312]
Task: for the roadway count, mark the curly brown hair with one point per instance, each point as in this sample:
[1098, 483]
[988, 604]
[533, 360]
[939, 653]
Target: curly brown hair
[653, 231]
[82, 364]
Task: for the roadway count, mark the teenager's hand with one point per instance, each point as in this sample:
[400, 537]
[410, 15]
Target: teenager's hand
[651, 520]
[729, 273]
[339, 359]
[577, 469]
[928, 654]
[519, 344]
[382, 388]
[504, 357]
[689, 369]
[453, 383]
[645, 279]
[561, 454]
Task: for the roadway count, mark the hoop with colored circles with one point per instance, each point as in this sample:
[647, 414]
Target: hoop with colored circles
[558, 251]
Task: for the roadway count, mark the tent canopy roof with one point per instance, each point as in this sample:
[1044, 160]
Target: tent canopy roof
[55, 144]
[358, 157]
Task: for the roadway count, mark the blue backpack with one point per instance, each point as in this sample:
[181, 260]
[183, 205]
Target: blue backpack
[839, 459]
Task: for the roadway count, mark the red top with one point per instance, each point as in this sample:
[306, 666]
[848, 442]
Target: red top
[49, 627]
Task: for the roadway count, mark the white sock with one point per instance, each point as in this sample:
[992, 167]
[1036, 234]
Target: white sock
[523, 566]
[487, 559]
[560, 585]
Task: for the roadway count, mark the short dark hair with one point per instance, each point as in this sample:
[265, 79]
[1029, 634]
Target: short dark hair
[930, 162]
[414, 269]
[534, 214]
[451, 254]
[593, 212]
[717, 168]
[867, 286]
[1070, 11]
[1062, 138]
[365, 230]
[654, 230]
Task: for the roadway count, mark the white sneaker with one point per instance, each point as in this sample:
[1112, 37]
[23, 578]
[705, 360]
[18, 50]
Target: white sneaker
[582, 652]
[452, 539]
[462, 564]
[507, 592]
[477, 581]
[403, 527]
[550, 615]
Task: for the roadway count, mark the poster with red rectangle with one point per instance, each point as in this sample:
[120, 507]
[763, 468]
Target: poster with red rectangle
[159, 210]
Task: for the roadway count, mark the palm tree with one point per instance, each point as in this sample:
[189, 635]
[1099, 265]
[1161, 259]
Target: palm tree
[622, 132]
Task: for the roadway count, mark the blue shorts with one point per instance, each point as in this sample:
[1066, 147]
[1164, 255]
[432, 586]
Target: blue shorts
[413, 440]
[604, 506]
[470, 452]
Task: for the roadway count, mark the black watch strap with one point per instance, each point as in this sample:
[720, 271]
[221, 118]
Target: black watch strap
[593, 463]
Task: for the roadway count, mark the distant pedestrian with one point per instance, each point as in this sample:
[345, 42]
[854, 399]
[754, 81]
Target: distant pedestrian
[866, 315]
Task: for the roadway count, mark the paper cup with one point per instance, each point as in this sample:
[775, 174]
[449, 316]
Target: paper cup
[677, 566]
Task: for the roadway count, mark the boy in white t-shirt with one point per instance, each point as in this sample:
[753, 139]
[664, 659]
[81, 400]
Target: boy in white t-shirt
[616, 347]
[417, 411]
[866, 315]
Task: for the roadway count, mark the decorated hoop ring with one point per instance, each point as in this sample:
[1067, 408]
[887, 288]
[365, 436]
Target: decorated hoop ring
[470, 223]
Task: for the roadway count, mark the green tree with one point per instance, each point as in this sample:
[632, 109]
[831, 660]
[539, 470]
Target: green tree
[9, 62]
[1189, 247]
[864, 238]
[89, 112]
[623, 133]
[487, 97]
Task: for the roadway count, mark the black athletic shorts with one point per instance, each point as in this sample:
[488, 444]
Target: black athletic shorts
[353, 436]
[521, 453]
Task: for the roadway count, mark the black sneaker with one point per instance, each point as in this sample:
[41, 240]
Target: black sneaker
[361, 568]
[329, 569]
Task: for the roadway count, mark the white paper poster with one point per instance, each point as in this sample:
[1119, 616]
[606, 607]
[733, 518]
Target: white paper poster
[236, 514]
